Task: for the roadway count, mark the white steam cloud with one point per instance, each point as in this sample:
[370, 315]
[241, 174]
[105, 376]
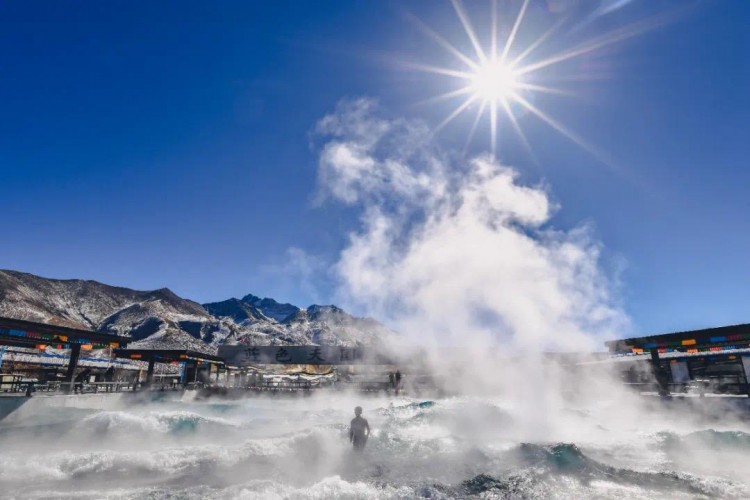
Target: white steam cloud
[458, 251]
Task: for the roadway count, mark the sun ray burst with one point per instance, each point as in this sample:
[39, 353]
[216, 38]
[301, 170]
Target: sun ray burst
[572, 136]
[498, 81]
[459, 8]
[517, 127]
[472, 131]
[442, 42]
[544, 88]
[436, 70]
[493, 30]
[538, 42]
[454, 114]
[445, 96]
[514, 31]
[597, 43]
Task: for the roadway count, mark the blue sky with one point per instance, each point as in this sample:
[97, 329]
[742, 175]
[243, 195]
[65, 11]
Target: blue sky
[150, 144]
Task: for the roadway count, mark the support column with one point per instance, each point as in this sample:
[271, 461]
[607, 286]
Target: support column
[746, 368]
[75, 353]
[191, 377]
[150, 372]
[662, 379]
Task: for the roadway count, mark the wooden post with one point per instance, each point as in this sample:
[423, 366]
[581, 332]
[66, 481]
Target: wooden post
[75, 353]
[661, 377]
[745, 363]
[150, 372]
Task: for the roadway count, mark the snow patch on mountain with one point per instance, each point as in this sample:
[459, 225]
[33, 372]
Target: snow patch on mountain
[162, 319]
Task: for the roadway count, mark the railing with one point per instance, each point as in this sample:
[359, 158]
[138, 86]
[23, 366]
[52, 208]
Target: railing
[700, 387]
[12, 383]
[278, 385]
[20, 386]
[307, 385]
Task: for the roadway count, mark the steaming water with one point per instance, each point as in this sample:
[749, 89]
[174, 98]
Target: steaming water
[297, 448]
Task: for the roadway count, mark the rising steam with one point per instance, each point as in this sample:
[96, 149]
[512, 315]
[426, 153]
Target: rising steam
[457, 251]
[450, 252]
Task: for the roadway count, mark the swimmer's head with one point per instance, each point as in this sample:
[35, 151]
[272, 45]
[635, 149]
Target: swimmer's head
[358, 411]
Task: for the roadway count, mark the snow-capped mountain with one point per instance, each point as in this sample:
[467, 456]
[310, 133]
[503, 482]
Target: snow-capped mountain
[329, 325]
[161, 319]
[270, 308]
[285, 323]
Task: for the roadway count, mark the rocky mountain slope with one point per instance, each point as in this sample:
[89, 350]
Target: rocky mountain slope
[161, 319]
[285, 323]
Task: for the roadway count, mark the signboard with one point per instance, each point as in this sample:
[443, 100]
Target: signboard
[242, 355]
[680, 372]
[746, 365]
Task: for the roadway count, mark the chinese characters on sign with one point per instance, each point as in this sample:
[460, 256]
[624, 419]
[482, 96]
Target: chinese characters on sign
[345, 354]
[282, 355]
[253, 354]
[238, 355]
[315, 356]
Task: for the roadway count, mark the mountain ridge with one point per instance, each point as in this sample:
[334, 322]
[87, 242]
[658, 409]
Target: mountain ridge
[162, 319]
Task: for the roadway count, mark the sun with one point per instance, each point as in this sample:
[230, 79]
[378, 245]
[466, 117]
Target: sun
[495, 81]
[500, 78]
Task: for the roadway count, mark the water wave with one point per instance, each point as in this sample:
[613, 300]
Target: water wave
[709, 438]
[418, 449]
[123, 422]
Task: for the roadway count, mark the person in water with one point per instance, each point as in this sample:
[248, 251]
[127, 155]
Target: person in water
[357, 434]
